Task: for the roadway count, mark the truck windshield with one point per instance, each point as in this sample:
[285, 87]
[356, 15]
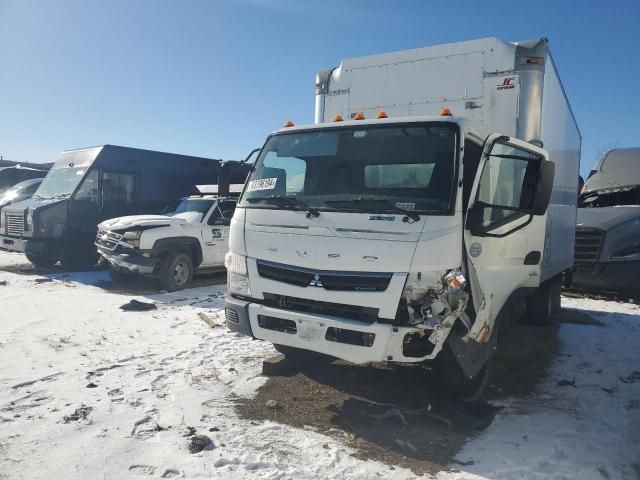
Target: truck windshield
[373, 168]
[192, 210]
[60, 183]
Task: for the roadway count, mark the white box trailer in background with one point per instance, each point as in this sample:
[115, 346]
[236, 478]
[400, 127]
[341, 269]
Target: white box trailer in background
[511, 88]
[416, 215]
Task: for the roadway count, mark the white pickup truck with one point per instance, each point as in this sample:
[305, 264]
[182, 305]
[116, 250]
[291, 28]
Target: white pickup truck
[173, 246]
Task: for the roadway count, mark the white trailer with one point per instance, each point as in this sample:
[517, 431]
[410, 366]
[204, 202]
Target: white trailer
[422, 206]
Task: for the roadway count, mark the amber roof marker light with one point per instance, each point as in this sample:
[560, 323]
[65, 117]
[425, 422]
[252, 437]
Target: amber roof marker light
[337, 118]
[358, 116]
[288, 124]
[446, 112]
[382, 115]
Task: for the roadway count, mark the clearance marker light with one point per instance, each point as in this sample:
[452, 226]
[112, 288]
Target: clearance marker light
[288, 124]
[337, 118]
[445, 112]
[358, 116]
[382, 115]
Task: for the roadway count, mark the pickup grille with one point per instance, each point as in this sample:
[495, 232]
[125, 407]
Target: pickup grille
[587, 246]
[108, 240]
[304, 305]
[327, 279]
[15, 224]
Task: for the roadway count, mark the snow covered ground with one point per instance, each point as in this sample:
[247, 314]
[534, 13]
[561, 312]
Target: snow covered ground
[89, 391]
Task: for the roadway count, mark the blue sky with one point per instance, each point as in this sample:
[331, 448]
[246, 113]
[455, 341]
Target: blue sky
[212, 78]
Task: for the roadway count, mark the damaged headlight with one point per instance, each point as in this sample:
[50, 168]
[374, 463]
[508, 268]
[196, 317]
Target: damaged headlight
[132, 237]
[237, 275]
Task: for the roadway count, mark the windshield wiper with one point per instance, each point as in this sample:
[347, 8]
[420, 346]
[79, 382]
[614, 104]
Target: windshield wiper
[287, 202]
[385, 203]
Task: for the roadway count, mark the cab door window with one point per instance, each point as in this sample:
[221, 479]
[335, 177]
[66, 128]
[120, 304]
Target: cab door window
[223, 213]
[119, 189]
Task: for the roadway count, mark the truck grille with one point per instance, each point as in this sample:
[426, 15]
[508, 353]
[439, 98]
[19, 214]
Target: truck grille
[15, 224]
[108, 240]
[304, 305]
[588, 243]
[328, 279]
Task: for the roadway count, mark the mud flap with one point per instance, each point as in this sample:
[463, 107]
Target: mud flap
[472, 355]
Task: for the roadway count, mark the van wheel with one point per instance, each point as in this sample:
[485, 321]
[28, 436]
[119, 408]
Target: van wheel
[78, 258]
[41, 260]
[540, 305]
[456, 381]
[176, 272]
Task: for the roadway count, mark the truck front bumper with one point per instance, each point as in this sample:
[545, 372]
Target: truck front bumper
[613, 276]
[130, 263]
[329, 335]
[24, 245]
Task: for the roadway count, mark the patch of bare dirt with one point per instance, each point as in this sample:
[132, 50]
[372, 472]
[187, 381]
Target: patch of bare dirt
[399, 414]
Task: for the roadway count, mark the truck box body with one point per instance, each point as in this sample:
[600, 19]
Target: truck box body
[87, 186]
[495, 86]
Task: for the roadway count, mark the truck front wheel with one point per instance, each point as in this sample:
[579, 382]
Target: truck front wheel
[456, 381]
[540, 306]
[41, 260]
[176, 272]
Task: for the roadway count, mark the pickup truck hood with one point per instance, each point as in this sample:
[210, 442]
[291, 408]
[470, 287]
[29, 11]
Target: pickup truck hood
[605, 218]
[139, 221]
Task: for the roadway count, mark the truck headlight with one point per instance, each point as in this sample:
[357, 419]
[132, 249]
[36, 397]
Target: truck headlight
[133, 237]
[237, 277]
[29, 220]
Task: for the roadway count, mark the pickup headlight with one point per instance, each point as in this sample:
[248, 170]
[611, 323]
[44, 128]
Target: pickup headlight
[133, 237]
[237, 277]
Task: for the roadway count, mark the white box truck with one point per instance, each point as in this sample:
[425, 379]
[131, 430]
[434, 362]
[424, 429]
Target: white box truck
[416, 214]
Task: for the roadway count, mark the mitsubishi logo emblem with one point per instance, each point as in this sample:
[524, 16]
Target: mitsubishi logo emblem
[316, 282]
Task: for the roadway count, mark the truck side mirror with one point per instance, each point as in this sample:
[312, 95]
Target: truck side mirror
[545, 187]
[474, 219]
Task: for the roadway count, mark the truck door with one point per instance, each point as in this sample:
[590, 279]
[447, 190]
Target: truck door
[216, 233]
[505, 225]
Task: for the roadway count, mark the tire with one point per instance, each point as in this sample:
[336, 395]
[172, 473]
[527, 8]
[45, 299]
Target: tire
[78, 258]
[540, 305]
[42, 260]
[456, 382]
[176, 272]
[556, 293]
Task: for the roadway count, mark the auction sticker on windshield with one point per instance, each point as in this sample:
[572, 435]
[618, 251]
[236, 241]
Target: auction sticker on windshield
[262, 184]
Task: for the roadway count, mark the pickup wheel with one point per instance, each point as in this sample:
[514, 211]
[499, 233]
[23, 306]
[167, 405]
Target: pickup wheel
[176, 271]
[456, 381]
[540, 306]
[41, 260]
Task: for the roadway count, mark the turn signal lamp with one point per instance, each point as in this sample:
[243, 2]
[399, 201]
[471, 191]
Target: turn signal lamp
[445, 112]
[382, 115]
[288, 124]
[337, 118]
[358, 116]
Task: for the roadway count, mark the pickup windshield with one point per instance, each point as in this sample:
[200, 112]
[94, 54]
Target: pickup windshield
[192, 210]
[373, 168]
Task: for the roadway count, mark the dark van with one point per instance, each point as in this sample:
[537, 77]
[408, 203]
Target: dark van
[90, 185]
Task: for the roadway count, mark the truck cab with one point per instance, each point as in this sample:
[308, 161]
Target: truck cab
[173, 246]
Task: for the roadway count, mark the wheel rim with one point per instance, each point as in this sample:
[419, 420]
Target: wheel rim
[180, 273]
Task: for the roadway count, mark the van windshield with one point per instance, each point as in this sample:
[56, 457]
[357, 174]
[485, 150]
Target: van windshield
[60, 183]
[373, 168]
[629, 196]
